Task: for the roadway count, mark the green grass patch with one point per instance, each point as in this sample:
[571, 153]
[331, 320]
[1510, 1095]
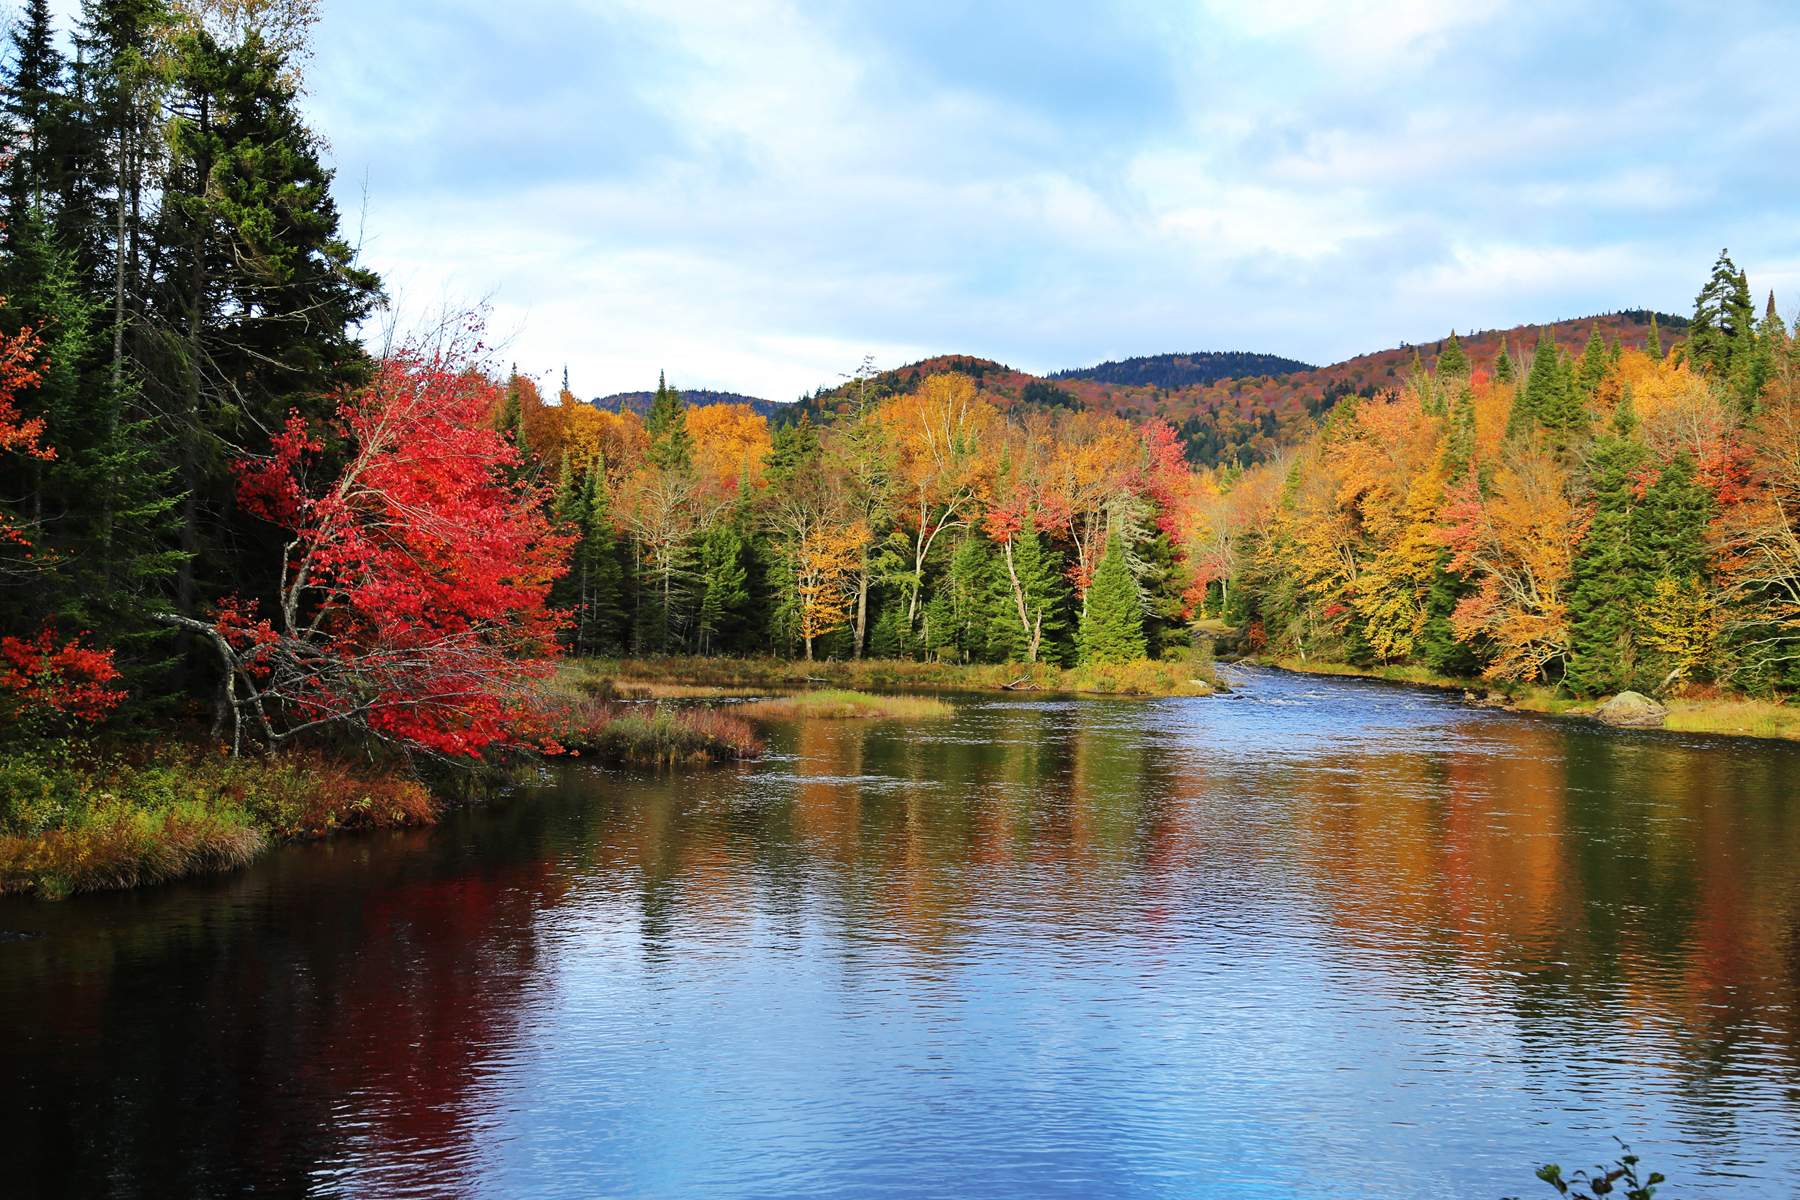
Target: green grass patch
[76, 821]
[838, 704]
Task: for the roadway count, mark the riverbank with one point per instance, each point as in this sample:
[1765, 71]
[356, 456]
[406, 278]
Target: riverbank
[75, 819]
[676, 677]
[1734, 716]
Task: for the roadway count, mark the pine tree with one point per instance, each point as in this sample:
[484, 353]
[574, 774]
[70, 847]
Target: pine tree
[1112, 622]
[1653, 343]
[671, 446]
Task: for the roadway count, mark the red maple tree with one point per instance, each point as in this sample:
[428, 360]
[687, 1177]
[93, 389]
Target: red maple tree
[412, 603]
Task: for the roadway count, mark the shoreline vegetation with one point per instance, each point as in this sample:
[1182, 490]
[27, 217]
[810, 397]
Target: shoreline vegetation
[1723, 714]
[675, 676]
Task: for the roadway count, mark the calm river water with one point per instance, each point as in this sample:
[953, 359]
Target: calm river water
[1315, 939]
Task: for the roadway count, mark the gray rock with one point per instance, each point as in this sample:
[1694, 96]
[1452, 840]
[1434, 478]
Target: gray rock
[1632, 710]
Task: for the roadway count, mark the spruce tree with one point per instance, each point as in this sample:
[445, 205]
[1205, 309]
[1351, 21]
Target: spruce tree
[1028, 597]
[1459, 444]
[1723, 314]
[671, 446]
[1503, 365]
[1453, 361]
[725, 592]
[1596, 365]
[1653, 343]
[1112, 623]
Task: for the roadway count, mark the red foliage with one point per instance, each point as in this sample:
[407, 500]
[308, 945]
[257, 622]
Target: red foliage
[67, 680]
[413, 597]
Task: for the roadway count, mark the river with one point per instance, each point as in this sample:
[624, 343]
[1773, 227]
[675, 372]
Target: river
[1317, 938]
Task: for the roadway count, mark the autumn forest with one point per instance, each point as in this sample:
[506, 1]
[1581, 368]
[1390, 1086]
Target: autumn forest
[225, 508]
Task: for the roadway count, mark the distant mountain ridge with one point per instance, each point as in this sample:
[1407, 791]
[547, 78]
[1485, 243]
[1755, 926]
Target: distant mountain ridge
[1186, 370]
[693, 398]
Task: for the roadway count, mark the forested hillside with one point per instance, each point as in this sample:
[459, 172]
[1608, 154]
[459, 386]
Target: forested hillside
[1591, 515]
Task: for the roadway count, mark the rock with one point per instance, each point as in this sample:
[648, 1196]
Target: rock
[1632, 710]
[1497, 699]
[1470, 697]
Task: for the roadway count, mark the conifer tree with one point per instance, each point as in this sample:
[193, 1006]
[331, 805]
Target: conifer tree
[1596, 365]
[671, 446]
[1453, 361]
[1029, 595]
[1653, 343]
[1112, 622]
[725, 593]
[1459, 445]
[1723, 315]
[1503, 365]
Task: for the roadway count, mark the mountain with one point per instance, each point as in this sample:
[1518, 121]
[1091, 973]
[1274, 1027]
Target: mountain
[1184, 370]
[697, 398]
[1232, 420]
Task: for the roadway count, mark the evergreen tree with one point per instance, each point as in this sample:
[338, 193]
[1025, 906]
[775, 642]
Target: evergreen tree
[1503, 365]
[1596, 365]
[35, 99]
[1028, 597]
[1112, 623]
[1438, 644]
[1653, 343]
[671, 446]
[725, 593]
[1459, 446]
[1723, 315]
[1453, 361]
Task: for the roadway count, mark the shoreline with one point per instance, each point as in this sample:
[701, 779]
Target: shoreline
[1724, 716]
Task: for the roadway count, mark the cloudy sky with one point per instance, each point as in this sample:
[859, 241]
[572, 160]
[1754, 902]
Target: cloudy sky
[753, 194]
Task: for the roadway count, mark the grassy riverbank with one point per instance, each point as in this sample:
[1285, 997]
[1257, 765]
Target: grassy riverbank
[77, 820]
[1738, 716]
[676, 677]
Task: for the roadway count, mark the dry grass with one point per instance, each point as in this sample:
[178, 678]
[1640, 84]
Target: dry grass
[1187, 677]
[72, 823]
[644, 734]
[120, 846]
[1749, 718]
[837, 704]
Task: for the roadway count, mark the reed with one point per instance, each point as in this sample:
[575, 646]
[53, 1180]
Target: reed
[837, 704]
[650, 733]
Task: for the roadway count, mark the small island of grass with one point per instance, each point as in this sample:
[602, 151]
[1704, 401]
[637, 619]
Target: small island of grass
[840, 704]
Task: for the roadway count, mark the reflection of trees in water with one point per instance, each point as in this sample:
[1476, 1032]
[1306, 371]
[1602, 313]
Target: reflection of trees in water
[1609, 877]
[327, 1012]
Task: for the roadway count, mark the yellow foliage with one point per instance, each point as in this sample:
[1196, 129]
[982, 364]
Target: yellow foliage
[825, 559]
[1680, 620]
[730, 440]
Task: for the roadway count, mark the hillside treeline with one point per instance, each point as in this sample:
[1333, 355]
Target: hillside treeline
[1595, 517]
[917, 523]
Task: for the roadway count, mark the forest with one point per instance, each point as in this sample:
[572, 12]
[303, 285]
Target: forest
[223, 511]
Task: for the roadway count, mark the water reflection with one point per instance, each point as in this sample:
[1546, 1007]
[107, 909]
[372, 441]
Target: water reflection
[1318, 939]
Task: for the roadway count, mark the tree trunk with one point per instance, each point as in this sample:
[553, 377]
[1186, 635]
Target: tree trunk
[862, 604]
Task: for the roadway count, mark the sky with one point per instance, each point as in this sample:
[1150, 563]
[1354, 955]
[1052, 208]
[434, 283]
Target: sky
[752, 195]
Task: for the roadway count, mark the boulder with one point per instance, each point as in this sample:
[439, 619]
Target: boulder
[1632, 710]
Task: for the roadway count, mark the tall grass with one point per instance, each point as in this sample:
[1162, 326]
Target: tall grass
[72, 821]
[1185, 677]
[838, 704]
[642, 733]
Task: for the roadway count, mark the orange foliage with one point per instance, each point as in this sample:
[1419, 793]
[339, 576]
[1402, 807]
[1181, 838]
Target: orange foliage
[730, 441]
